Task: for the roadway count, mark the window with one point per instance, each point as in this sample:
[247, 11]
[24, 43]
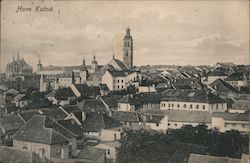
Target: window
[203, 107]
[122, 81]
[184, 105]
[108, 151]
[118, 80]
[169, 105]
[197, 106]
[172, 105]
[118, 87]
[122, 86]
[216, 106]
[191, 106]
[168, 124]
[175, 125]
[157, 124]
[178, 105]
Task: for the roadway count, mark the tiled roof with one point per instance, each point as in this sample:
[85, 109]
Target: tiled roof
[233, 116]
[125, 116]
[197, 158]
[188, 116]
[199, 96]
[86, 90]
[237, 76]
[64, 93]
[11, 123]
[72, 126]
[52, 113]
[92, 104]
[216, 73]
[19, 97]
[95, 121]
[154, 118]
[223, 86]
[119, 73]
[149, 97]
[111, 101]
[131, 99]
[41, 129]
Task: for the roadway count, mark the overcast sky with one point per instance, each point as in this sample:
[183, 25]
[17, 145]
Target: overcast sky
[170, 32]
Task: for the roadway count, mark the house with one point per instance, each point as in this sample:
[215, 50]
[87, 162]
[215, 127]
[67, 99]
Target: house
[71, 125]
[84, 91]
[92, 105]
[192, 100]
[46, 138]
[129, 103]
[90, 155]
[224, 89]
[237, 79]
[21, 100]
[198, 158]
[150, 100]
[64, 96]
[111, 103]
[179, 118]
[120, 80]
[111, 149]
[213, 75]
[10, 154]
[156, 122]
[231, 121]
[95, 122]
[55, 114]
[129, 119]
[9, 125]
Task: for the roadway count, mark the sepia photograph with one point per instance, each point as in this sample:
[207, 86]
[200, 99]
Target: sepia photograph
[124, 81]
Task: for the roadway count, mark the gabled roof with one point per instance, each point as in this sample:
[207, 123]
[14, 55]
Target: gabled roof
[95, 121]
[117, 65]
[198, 158]
[120, 73]
[10, 123]
[199, 96]
[154, 118]
[20, 97]
[125, 116]
[130, 99]
[64, 93]
[72, 126]
[216, 73]
[86, 90]
[188, 116]
[41, 129]
[52, 113]
[223, 86]
[92, 104]
[111, 101]
[149, 97]
[232, 116]
[237, 76]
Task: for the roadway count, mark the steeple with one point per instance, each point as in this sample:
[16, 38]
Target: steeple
[18, 57]
[83, 62]
[128, 49]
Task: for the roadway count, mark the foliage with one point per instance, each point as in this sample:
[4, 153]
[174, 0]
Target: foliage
[176, 146]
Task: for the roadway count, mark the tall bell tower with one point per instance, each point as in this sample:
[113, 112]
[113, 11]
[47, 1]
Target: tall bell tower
[128, 49]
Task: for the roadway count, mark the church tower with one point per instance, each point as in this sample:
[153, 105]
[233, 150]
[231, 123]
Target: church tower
[39, 65]
[128, 49]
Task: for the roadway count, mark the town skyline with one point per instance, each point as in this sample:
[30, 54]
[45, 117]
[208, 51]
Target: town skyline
[214, 37]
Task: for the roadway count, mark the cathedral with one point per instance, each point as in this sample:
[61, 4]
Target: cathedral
[55, 76]
[18, 67]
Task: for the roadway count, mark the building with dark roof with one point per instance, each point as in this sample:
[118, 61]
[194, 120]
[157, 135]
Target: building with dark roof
[237, 79]
[224, 89]
[231, 121]
[45, 137]
[9, 125]
[199, 100]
